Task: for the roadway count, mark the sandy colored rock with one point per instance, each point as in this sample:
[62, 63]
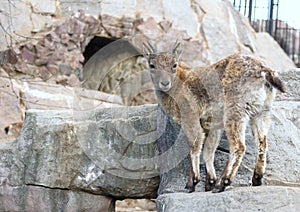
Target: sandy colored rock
[269, 50]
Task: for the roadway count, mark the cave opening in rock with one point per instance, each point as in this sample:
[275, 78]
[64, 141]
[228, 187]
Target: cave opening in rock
[95, 44]
[115, 66]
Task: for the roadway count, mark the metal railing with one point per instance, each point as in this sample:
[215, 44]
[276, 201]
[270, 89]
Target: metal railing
[263, 16]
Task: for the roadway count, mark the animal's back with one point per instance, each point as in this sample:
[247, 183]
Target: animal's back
[240, 81]
[246, 86]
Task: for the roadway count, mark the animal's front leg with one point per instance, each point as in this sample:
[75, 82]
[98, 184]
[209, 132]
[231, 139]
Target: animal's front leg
[195, 138]
[194, 176]
[190, 124]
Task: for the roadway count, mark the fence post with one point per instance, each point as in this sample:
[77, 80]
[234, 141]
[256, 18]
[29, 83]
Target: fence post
[276, 22]
[250, 11]
[270, 27]
[293, 44]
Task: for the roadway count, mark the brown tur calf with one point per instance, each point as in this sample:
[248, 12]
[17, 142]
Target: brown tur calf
[229, 94]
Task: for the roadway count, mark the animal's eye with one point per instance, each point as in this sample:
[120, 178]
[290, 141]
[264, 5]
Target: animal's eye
[175, 65]
[152, 66]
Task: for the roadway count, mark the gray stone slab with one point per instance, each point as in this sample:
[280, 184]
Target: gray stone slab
[265, 198]
[109, 152]
[35, 198]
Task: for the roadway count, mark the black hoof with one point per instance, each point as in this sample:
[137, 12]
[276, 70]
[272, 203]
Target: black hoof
[257, 179]
[220, 187]
[209, 184]
[189, 188]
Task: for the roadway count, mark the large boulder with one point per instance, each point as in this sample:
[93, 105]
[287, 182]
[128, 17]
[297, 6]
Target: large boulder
[19, 95]
[269, 50]
[108, 151]
[15, 195]
[33, 198]
[271, 198]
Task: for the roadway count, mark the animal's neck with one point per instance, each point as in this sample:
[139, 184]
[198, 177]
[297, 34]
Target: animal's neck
[182, 73]
[173, 94]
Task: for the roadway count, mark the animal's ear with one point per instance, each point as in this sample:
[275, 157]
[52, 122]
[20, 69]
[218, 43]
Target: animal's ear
[176, 49]
[148, 49]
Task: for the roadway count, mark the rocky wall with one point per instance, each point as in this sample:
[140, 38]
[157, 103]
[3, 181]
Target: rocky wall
[47, 40]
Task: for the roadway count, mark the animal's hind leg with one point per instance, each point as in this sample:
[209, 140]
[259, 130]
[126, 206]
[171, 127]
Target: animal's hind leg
[210, 145]
[235, 126]
[260, 126]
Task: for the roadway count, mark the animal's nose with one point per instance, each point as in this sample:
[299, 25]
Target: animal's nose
[165, 83]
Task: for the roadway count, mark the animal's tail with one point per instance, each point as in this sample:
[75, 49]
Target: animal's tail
[274, 80]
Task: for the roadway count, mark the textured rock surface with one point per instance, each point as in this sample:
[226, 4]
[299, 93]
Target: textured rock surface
[269, 50]
[266, 198]
[136, 205]
[109, 151]
[19, 95]
[34, 198]
[57, 54]
[173, 149]
[16, 195]
[213, 26]
[11, 169]
[291, 79]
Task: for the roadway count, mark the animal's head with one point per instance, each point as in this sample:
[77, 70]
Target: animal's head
[163, 66]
